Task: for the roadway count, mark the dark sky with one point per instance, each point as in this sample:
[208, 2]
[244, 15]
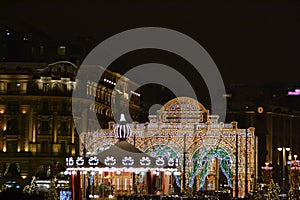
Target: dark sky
[250, 42]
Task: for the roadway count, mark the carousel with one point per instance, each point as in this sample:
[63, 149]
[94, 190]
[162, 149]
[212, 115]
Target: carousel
[122, 169]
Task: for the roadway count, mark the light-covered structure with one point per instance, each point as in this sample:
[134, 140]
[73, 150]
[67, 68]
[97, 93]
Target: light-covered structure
[217, 155]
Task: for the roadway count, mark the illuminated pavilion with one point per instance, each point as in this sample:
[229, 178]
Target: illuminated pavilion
[213, 153]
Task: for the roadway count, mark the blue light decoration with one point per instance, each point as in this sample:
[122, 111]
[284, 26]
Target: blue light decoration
[65, 195]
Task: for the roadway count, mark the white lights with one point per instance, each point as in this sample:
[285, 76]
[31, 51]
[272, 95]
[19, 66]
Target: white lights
[93, 160]
[177, 173]
[79, 161]
[69, 161]
[145, 161]
[93, 196]
[283, 148]
[160, 161]
[109, 81]
[168, 173]
[110, 161]
[128, 160]
[135, 93]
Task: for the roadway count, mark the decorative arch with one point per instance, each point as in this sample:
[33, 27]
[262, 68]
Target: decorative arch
[160, 150]
[154, 141]
[202, 161]
[183, 110]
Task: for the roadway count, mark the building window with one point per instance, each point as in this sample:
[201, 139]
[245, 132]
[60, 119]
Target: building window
[33, 51]
[12, 146]
[63, 147]
[12, 126]
[64, 107]
[9, 88]
[45, 107]
[55, 87]
[12, 106]
[45, 126]
[61, 50]
[42, 50]
[46, 87]
[64, 86]
[63, 127]
[18, 86]
[44, 146]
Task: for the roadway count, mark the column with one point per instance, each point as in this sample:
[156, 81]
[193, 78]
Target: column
[54, 127]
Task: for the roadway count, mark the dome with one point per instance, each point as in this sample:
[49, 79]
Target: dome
[122, 130]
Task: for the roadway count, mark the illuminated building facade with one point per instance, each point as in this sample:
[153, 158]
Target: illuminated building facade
[37, 129]
[215, 152]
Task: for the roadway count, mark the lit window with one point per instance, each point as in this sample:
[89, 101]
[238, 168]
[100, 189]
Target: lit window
[42, 50]
[61, 50]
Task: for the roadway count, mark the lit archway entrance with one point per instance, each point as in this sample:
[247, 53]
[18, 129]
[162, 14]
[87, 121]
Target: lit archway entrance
[165, 183]
[209, 164]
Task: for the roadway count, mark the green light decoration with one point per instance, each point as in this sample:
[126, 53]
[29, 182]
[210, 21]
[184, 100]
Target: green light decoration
[164, 151]
[202, 161]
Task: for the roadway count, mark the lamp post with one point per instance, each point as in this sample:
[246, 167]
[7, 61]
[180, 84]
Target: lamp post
[283, 150]
[267, 173]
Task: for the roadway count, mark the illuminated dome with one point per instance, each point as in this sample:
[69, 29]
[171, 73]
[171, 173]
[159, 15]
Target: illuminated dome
[122, 130]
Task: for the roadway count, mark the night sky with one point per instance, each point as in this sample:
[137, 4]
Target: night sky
[249, 42]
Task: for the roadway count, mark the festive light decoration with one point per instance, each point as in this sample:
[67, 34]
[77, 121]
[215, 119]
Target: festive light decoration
[207, 140]
[127, 161]
[31, 189]
[52, 192]
[122, 130]
[69, 161]
[93, 160]
[160, 161]
[110, 161]
[145, 161]
[79, 161]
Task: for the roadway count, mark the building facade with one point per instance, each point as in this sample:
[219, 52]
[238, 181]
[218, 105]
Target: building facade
[37, 128]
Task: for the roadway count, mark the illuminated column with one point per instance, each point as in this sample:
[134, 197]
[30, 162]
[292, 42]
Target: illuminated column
[55, 127]
[4, 144]
[34, 125]
[72, 125]
[217, 174]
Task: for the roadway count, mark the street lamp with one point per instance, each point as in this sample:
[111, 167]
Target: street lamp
[283, 149]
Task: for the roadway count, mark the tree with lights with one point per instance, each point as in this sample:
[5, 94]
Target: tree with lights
[273, 191]
[258, 192]
[31, 189]
[3, 188]
[292, 195]
[52, 193]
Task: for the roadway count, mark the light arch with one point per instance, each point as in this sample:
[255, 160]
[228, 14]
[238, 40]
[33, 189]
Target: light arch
[201, 161]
